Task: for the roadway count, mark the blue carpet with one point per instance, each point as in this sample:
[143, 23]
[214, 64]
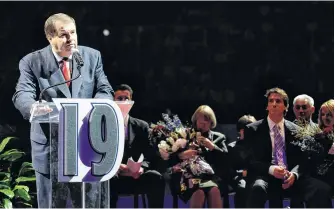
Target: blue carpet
[128, 202]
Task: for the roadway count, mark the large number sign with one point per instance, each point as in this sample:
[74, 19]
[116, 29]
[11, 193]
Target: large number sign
[90, 141]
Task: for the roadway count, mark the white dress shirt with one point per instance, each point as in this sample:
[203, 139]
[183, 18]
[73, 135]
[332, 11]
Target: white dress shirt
[59, 59]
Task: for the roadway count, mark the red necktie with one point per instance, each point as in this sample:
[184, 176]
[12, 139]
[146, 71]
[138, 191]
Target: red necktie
[66, 73]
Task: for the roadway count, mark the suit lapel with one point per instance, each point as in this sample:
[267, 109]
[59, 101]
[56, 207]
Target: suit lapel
[131, 130]
[213, 137]
[56, 76]
[265, 130]
[288, 133]
[288, 139]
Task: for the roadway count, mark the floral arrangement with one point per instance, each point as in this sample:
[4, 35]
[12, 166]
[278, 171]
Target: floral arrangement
[171, 135]
[316, 144]
[310, 138]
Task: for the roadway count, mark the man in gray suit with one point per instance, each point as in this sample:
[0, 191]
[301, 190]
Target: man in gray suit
[48, 66]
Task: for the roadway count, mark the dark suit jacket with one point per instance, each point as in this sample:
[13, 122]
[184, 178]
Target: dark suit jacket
[258, 135]
[238, 159]
[217, 157]
[138, 143]
[39, 70]
[214, 157]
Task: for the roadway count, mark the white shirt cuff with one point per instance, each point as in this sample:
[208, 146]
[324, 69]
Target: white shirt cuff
[272, 169]
[296, 175]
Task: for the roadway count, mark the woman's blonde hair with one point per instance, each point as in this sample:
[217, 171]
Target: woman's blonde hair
[330, 106]
[207, 112]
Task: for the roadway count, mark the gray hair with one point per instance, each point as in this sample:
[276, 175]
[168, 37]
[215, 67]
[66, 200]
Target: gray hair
[309, 99]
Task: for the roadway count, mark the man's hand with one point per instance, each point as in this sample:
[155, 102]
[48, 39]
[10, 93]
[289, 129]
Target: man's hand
[40, 108]
[205, 142]
[289, 181]
[187, 154]
[137, 174]
[279, 172]
[123, 170]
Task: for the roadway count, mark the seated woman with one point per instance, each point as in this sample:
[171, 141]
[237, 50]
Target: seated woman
[318, 144]
[210, 146]
[325, 167]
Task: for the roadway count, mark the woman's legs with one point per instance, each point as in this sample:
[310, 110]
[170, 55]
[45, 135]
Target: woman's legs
[214, 198]
[198, 199]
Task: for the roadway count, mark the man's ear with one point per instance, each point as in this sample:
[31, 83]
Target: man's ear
[313, 109]
[49, 38]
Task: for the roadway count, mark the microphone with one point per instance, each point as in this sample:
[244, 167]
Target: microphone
[77, 57]
[80, 63]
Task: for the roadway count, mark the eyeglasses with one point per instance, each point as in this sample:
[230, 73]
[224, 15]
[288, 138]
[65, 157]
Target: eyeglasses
[304, 107]
[122, 98]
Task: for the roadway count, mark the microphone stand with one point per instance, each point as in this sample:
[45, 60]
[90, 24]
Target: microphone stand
[42, 92]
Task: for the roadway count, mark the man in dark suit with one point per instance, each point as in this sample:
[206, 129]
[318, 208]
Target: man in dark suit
[145, 180]
[275, 167]
[303, 108]
[48, 66]
[239, 155]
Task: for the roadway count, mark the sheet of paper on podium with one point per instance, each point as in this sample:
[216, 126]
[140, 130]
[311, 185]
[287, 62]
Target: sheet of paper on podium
[135, 166]
[125, 107]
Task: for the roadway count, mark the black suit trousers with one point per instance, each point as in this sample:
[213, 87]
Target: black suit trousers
[314, 192]
[150, 183]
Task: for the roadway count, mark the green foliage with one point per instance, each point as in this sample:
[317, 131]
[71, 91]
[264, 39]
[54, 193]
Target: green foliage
[13, 191]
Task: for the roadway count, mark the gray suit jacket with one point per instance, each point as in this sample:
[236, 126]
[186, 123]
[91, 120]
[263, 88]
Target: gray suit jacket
[39, 70]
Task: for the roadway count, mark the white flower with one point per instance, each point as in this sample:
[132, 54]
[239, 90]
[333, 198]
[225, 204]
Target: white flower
[175, 147]
[170, 140]
[181, 143]
[182, 132]
[163, 145]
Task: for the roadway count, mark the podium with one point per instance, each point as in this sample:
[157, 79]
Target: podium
[86, 148]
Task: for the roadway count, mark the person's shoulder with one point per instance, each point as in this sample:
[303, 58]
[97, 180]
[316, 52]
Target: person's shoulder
[138, 122]
[35, 54]
[291, 125]
[89, 50]
[218, 134]
[255, 125]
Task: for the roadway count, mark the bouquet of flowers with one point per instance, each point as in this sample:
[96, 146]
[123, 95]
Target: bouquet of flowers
[316, 143]
[171, 136]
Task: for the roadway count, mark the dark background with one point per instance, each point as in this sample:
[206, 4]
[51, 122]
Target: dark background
[179, 55]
